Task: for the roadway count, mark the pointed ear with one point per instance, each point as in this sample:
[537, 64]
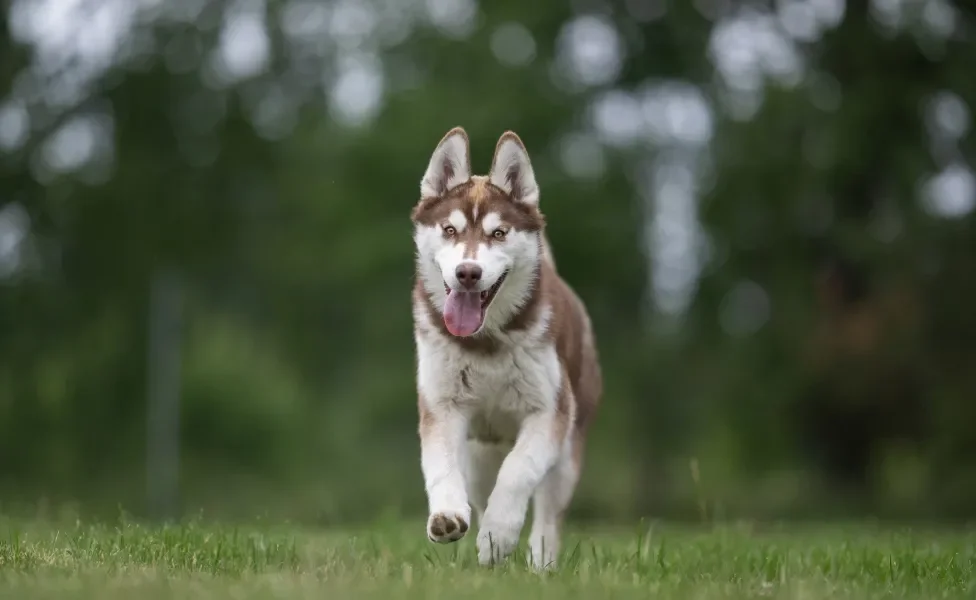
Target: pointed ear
[449, 167]
[511, 170]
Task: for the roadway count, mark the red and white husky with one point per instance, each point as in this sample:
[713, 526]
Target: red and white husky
[508, 377]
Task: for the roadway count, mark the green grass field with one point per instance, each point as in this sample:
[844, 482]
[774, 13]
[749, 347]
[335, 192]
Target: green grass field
[42, 560]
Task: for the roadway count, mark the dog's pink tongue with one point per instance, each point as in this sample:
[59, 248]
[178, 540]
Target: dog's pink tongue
[462, 312]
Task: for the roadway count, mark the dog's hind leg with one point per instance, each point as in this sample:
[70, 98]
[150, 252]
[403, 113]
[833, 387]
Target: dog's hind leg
[550, 501]
[484, 461]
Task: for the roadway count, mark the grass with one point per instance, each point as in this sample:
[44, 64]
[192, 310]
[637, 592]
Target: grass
[199, 560]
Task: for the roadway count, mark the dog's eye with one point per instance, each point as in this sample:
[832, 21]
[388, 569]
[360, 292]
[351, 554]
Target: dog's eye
[498, 234]
[449, 230]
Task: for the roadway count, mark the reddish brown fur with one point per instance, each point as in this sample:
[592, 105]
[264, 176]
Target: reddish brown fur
[571, 332]
[478, 194]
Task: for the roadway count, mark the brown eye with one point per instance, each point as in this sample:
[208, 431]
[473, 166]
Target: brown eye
[450, 230]
[498, 234]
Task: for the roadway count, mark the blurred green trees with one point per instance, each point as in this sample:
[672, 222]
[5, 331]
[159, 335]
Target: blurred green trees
[767, 209]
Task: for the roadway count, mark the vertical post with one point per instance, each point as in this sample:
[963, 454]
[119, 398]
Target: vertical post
[163, 393]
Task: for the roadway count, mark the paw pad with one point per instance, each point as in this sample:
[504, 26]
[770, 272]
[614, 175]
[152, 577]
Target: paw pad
[444, 528]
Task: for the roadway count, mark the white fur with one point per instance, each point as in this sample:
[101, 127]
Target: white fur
[491, 222]
[438, 258]
[511, 157]
[440, 461]
[457, 220]
[453, 151]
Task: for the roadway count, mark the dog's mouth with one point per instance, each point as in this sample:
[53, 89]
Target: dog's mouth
[487, 295]
[464, 312]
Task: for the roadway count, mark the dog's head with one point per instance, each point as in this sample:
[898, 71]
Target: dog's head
[478, 238]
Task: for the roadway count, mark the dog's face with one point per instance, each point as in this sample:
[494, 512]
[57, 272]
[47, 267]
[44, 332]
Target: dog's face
[478, 238]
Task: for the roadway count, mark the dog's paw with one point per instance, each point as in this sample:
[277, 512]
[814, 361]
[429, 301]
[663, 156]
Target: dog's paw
[542, 552]
[496, 540]
[444, 527]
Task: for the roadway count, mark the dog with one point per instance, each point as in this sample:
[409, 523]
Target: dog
[508, 375]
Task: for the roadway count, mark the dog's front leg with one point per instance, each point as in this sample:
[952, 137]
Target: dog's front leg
[535, 452]
[443, 430]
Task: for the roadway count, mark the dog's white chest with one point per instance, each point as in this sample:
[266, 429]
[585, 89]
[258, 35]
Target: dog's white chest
[495, 390]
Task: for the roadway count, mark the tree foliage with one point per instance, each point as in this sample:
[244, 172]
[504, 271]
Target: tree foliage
[768, 211]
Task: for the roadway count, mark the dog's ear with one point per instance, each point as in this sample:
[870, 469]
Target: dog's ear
[449, 167]
[512, 171]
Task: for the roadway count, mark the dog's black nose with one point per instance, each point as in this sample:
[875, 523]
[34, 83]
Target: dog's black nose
[468, 275]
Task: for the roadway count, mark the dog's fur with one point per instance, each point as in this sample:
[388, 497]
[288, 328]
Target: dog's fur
[504, 407]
